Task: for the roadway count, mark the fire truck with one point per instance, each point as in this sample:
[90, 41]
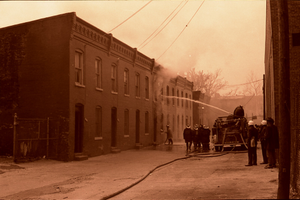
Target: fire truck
[230, 131]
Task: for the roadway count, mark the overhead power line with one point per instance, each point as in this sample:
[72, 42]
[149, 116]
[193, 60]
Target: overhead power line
[243, 83]
[130, 16]
[142, 45]
[181, 31]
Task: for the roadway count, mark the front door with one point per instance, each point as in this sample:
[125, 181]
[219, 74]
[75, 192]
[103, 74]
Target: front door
[114, 127]
[137, 127]
[78, 128]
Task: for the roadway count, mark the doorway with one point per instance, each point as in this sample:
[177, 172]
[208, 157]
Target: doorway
[114, 127]
[137, 126]
[78, 128]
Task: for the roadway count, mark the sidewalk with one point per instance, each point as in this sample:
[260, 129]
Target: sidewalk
[98, 176]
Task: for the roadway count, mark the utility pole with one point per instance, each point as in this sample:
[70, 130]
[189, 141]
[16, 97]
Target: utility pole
[264, 97]
[284, 102]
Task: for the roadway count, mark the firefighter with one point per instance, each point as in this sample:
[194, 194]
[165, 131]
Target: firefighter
[252, 144]
[196, 139]
[169, 135]
[205, 138]
[272, 140]
[187, 136]
[262, 137]
[200, 130]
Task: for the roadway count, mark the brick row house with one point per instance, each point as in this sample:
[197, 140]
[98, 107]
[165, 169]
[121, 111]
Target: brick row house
[272, 78]
[97, 87]
[176, 106]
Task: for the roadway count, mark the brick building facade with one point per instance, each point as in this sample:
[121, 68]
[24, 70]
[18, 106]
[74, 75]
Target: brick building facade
[172, 102]
[272, 80]
[99, 88]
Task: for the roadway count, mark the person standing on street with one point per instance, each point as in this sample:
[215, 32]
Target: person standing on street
[205, 138]
[262, 137]
[187, 136]
[169, 135]
[272, 140]
[196, 139]
[252, 144]
[201, 134]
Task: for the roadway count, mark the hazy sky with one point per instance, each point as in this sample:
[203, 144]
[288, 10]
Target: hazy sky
[224, 34]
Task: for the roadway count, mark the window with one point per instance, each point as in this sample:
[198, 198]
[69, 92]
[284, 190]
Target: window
[186, 120]
[186, 100]
[182, 98]
[137, 85]
[79, 67]
[178, 124]
[173, 97]
[177, 97]
[146, 87]
[190, 101]
[126, 82]
[98, 69]
[173, 123]
[168, 100]
[98, 121]
[162, 94]
[146, 122]
[126, 122]
[114, 77]
[168, 120]
[162, 122]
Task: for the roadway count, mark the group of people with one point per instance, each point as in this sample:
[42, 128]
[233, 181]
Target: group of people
[268, 135]
[197, 136]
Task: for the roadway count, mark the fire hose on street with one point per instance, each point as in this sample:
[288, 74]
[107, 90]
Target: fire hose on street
[192, 155]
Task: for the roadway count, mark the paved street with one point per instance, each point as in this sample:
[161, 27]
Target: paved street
[203, 176]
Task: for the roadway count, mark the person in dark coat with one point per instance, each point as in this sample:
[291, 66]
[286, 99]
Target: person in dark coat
[201, 133]
[262, 137]
[187, 136]
[196, 139]
[272, 140]
[252, 144]
[205, 138]
[169, 135]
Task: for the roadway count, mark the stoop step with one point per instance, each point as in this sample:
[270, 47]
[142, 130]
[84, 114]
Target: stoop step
[138, 146]
[115, 150]
[80, 157]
